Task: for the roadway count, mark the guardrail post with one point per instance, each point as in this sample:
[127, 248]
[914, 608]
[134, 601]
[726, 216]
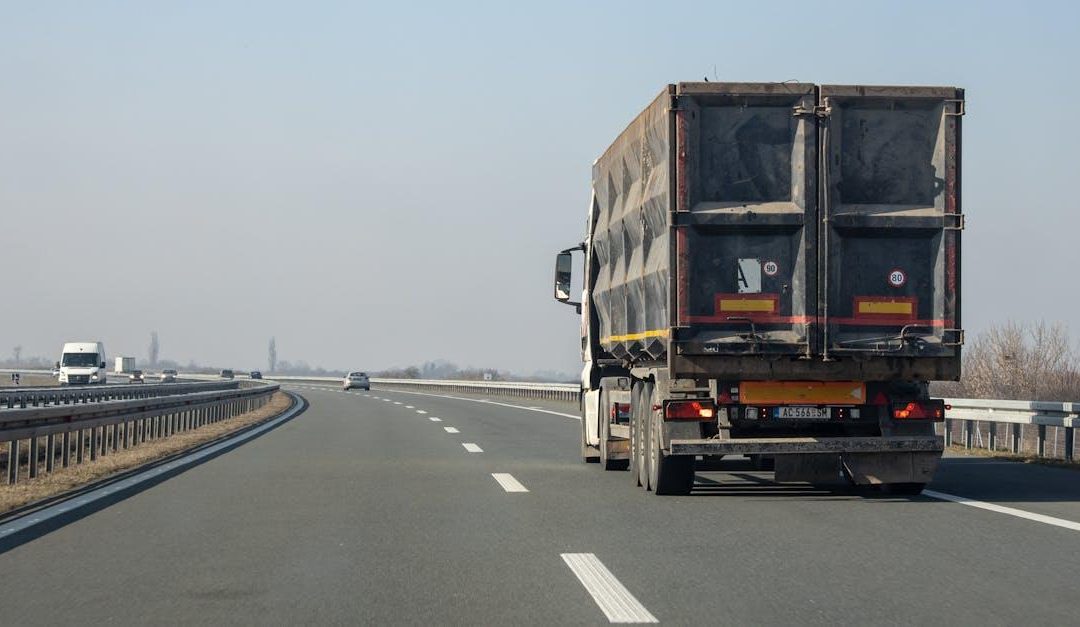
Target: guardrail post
[93, 443]
[948, 432]
[81, 434]
[32, 462]
[65, 442]
[50, 460]
[967, 433]
[991, 439]
[13, 462]
[1040, 446]
[1014, 438]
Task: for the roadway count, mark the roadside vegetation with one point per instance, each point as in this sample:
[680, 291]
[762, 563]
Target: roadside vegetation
[1018, 361]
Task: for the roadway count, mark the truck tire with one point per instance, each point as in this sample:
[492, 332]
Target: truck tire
[633, 466]
[668, 474]
[645, 439]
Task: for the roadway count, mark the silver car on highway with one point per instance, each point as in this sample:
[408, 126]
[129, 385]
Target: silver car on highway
[356, 380]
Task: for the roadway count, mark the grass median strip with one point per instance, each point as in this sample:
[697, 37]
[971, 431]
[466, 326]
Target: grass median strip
[65, 479]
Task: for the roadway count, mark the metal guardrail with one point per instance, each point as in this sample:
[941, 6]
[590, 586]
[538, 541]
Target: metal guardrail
[100, 427]
[11, 398]
[1034, 428]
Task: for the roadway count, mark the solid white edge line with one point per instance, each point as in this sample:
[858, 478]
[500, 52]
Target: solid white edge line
[451, 430]
[613, 599]
[472, 447]
[508, 482]
[1001, 509]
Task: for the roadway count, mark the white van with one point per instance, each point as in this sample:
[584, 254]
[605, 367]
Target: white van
[82, 362]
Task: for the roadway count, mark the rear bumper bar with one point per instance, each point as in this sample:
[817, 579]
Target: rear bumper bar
[793, 446]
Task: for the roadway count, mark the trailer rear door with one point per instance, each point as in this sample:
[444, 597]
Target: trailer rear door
[890, 254]
[745, 217]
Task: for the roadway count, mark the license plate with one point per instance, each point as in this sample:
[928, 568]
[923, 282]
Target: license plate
[803, 413]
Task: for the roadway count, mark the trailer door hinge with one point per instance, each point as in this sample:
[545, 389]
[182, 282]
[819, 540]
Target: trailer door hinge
[960, 108]
[953, 221]
[952, 337]
[818, 111]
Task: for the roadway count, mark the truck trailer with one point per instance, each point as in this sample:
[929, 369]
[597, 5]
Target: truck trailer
[124, 365]
[773, 270]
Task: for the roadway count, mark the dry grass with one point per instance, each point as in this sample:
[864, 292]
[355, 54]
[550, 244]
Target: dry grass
[74, 476]
[1013, 457]
[29, 381]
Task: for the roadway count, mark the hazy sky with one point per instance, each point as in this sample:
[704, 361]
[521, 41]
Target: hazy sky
[383, 184]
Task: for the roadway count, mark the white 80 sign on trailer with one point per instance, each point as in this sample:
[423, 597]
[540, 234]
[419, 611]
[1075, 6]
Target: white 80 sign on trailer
[897, 278]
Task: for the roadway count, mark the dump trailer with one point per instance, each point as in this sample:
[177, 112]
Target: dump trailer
[773, 270]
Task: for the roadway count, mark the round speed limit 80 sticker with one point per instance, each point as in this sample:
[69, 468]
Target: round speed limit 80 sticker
[897, 277]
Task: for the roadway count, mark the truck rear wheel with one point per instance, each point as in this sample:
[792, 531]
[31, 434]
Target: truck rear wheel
[668, 474]
[637, 435]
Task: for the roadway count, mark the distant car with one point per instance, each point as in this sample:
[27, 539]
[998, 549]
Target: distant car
[226, 374]
[356, 380]
[168, 376]
[255, 374]
[136, 376]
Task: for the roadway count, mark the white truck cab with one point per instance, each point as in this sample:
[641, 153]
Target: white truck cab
[82, 363]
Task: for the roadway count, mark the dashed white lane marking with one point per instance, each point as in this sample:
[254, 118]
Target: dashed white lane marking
[508, 482]
[451, 430]
[472, 448]
[420, 411]
[435, 419]
[397, 402]
[409, 407]
[1001, 509]
[614, 599]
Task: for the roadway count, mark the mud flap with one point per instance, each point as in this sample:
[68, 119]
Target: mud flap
[816, 468]
[878, 468]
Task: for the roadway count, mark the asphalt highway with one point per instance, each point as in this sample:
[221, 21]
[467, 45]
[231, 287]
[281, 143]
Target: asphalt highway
[397, 508]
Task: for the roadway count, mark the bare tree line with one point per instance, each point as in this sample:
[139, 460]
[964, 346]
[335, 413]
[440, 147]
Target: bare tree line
[1021, 361]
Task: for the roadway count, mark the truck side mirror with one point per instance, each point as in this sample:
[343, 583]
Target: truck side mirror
[564, 275]
[102, 365]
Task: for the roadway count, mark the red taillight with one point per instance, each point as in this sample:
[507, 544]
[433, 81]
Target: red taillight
[620, 412]
[689, 410]
[919, 410]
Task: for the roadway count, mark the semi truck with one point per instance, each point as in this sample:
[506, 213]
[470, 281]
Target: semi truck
[772, 270]
[124, 365]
